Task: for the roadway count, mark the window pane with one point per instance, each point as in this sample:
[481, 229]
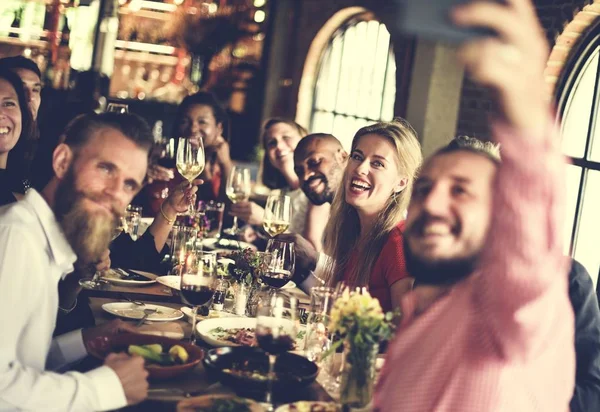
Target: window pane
[573, 177]
[389, 94]
[322, 86]
[343, 94]
[576, 117]
[586, 245]
[356, 82]
[322, 122]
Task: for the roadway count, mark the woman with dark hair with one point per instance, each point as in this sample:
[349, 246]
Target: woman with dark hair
[16, 125]
[199, 117]
[279, 139]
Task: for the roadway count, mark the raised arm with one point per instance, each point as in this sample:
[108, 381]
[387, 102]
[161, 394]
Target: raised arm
[522, 292]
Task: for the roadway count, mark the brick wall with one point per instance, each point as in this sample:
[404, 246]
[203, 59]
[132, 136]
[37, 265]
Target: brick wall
[476, 105]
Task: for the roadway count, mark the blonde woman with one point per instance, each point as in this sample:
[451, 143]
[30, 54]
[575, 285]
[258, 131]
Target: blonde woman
[364, 234]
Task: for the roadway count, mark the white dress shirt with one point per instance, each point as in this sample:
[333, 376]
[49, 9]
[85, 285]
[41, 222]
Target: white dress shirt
[34, 256]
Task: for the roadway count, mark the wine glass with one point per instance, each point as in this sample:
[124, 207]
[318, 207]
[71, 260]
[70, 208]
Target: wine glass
[278, 214]
[238, 190]
[117, 108]
[190, 161]
[280, 262]
[275, 330]
[96, 282]
[198, 281]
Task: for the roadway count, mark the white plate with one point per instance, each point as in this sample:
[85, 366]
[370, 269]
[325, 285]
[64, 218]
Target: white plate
[213, 314]
[205, 329]
[226, 245]
[289, 285]
[130, 310]
[307, 406]
[115, 280]
[172, 281]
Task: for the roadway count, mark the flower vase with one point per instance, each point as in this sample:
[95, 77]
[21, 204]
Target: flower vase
[358, 375]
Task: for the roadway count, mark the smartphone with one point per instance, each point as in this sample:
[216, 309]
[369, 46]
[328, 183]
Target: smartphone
[431, 19]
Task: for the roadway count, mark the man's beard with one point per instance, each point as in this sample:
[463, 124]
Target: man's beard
[441, 272]
[326, 196]
[89, 234]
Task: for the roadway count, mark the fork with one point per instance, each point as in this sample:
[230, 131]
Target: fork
[147, 312]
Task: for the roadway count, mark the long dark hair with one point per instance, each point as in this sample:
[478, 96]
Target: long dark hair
[272, 177]
[16, 158]
[205, 99]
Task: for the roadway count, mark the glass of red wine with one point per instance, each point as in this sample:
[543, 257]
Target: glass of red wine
[198, 281]
[280, 260]
[275, 330]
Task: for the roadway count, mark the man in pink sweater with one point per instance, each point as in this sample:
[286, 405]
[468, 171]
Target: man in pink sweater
[489, 326]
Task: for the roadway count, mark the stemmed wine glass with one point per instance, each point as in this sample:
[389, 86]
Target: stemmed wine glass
[96, 281]
[280, 259]
[198, 281]
[278, 214]
[190, 161]
[238, 190]
[275, 330]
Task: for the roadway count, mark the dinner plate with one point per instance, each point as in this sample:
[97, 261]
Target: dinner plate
[116, 279]
[227, 245]
[130, 310]
[307, 406]
[214, 331]
[172, 281]
[213, 314]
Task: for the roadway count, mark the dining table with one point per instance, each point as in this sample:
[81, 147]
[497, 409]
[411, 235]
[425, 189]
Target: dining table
[164, 395]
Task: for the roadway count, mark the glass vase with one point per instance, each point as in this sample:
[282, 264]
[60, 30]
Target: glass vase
[358, 375]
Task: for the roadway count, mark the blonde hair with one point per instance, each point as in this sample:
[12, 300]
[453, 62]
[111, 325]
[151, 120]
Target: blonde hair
[342, 234]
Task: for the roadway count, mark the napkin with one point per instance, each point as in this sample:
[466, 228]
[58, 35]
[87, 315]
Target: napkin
[167, 329]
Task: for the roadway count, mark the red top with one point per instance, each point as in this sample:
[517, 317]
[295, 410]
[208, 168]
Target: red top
[389, 268]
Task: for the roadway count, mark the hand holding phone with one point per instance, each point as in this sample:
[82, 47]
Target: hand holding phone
[431, 19]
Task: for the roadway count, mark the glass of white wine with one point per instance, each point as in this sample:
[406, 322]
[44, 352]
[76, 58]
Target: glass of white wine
[190, 161]
[238, 190]
[278, 214]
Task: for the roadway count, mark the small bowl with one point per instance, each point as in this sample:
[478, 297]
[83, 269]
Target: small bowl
[292, 371]
[103, 346]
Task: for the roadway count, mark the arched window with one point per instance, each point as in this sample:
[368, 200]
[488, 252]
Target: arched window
[579, 97]
[356, 79]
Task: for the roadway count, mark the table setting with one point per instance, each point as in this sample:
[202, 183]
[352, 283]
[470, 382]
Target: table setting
[232, 325]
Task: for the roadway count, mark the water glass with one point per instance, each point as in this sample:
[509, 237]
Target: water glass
[183, 239]
[133, 217]
[318, 339]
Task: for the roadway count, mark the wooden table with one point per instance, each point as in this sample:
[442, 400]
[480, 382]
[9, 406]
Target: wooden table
[198, 380]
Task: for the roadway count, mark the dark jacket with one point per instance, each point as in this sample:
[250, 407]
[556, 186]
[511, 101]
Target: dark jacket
[586, 397]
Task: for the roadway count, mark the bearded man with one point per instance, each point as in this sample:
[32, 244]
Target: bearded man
[97, 170]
